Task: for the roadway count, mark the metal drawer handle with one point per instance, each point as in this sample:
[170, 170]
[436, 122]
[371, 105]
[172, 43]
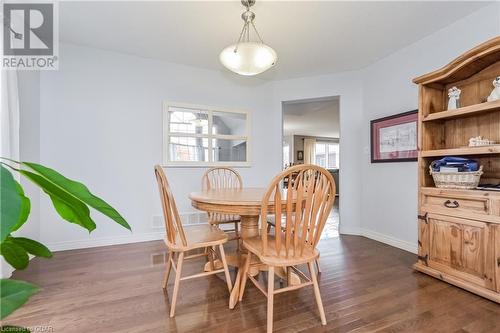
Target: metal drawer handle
[450, 204]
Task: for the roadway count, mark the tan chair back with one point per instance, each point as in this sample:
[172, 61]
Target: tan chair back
[305, 205]
[221, 178]
[173, 223]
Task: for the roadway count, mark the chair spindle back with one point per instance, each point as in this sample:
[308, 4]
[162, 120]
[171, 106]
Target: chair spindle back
[173, 223]
[305, 205]
[221, 178]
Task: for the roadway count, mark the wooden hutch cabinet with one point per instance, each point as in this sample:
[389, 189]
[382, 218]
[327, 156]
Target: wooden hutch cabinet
[459, 230]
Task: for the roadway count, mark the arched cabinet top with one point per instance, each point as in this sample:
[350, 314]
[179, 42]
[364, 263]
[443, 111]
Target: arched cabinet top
[466, 65]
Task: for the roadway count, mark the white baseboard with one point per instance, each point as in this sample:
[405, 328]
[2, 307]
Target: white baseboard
[352, 231]
[389, 240]
[151, 236]
[105, 241]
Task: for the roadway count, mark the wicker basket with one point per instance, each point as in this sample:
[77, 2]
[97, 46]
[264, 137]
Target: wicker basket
[457, 180]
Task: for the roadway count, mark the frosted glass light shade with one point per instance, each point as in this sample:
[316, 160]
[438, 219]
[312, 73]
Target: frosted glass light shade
[249, 59]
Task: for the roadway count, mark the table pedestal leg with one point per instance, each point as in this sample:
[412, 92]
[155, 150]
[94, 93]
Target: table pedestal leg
[291, 277]
[233, 298]
[249, 228]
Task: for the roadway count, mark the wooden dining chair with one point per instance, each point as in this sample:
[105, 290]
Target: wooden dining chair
[223, 178]
[307, 204]
[271, 223]
[180, 240]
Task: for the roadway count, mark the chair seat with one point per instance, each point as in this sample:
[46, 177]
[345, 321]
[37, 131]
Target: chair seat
[198, 236]
[254, 245]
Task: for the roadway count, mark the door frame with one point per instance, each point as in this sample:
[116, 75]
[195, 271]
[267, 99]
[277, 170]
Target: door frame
[316, 99]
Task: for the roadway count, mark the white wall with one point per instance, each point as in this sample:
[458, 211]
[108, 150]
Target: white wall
[101, 123]
[29, 143]
[288, 140]
[389, 192]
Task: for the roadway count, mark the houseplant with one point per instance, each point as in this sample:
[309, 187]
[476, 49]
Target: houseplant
[72, 201]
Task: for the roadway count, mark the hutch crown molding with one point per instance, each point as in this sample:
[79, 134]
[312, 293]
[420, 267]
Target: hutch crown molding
[459, 230]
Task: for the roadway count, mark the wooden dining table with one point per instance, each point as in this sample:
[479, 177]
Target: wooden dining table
[246, 203]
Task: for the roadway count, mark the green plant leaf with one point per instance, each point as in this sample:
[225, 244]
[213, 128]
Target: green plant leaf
[33, 247]
[13, 294]
[13, 203]
[14, 254]
[14, 329]
[67, 206]
[10, 203]
[79, 191]
[25, 207]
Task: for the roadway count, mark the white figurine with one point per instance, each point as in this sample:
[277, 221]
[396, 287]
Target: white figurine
[495, 94]
[454, 95]
[480, 141]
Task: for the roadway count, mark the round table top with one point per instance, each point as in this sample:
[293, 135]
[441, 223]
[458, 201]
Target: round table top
[245, 201]
[249, 196]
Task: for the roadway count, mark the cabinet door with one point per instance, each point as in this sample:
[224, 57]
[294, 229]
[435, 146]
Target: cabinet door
[463, 248]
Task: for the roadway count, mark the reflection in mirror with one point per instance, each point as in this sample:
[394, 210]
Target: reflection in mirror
[229, 150]
[197, 135]
[229, 123]
[188, 121]
[188, 149]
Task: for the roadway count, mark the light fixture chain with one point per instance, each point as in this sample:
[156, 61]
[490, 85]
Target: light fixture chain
[242, 33]
[257, 33]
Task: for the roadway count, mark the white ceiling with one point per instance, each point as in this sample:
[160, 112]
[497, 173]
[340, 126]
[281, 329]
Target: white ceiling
[318, 117]
[310, 37]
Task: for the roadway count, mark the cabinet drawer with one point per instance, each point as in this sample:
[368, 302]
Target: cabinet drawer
[445, 204]
[495, 207]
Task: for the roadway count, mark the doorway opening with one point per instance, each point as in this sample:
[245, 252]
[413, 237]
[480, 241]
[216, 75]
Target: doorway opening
[311, 135]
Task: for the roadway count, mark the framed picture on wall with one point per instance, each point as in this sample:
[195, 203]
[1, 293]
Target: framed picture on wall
[394, 138]
[300, 155]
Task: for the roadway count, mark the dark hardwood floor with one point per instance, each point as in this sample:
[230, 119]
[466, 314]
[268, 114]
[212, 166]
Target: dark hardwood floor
[366, 287]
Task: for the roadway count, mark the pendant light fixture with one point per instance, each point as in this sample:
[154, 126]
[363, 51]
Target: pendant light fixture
[248, 57]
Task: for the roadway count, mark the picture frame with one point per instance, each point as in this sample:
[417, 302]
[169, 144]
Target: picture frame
[300, 155]
[394, 138]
